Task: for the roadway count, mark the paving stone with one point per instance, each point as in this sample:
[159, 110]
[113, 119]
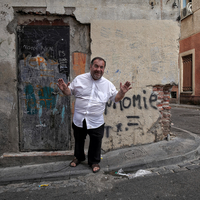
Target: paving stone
[151, 169]
[193, 167]
[171, 167]
[157, 169]
[184, 164]
[180, 170]
[152, 174]
[196, 162]
[165, 172]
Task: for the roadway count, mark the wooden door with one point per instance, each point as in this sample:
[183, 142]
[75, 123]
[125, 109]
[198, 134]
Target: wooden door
[44, 113]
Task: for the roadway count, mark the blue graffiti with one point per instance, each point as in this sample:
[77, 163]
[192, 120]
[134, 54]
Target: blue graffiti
[63, 114]
[47, 100]
[30, 100]
[40, 114]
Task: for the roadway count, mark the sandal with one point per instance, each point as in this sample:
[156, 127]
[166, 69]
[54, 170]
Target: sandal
[93, 166]
[76, 161]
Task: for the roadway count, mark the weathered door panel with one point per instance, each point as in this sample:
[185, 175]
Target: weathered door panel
[44, 113]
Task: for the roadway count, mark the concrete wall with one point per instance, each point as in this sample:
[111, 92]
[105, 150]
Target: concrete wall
[190, 25]
[8, 82]
[195, 5]
[134, 53]
[143, 48]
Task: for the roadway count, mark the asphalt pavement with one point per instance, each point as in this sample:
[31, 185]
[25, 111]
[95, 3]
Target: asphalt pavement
[181, 146]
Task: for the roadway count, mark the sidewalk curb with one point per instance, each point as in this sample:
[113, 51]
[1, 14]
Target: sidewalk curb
[62, 170]
[185, 106]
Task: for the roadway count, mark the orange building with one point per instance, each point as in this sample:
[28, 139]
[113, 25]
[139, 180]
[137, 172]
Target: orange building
[189, 55]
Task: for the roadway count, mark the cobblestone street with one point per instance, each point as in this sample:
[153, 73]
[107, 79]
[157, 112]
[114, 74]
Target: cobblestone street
[97, 183]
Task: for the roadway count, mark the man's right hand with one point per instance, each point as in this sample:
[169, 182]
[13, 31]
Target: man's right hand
[63, 86]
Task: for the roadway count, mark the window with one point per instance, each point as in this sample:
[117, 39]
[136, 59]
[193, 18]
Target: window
[173, 94]
[185, 2]
[187, 73]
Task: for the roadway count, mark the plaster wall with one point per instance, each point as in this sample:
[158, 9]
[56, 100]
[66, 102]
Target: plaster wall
[8, 84]
[87, 10]
[189, 25]
[139, 44]
[134, 53]
[195, 5]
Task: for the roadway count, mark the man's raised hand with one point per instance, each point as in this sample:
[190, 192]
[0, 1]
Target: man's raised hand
[123, 89]
[63, 86]
[126, 87]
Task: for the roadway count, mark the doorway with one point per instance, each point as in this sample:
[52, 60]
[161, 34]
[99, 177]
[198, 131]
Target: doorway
[44, 113]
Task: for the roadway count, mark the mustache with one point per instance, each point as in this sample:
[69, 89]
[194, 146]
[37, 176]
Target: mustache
[97, 72]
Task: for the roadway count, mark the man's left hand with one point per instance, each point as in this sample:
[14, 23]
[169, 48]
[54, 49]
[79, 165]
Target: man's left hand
[125, 88]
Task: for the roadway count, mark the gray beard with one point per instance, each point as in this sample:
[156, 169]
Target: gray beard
[96, 77]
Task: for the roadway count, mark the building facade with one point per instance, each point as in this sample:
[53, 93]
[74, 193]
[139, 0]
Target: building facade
[189, 87]
[43, 40]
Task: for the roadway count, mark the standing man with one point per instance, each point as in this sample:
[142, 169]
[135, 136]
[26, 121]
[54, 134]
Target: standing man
[92, 91]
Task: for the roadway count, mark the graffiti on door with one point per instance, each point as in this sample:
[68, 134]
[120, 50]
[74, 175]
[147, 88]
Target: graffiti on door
[43, 57]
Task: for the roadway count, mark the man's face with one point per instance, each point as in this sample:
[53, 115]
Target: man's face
[97, 69]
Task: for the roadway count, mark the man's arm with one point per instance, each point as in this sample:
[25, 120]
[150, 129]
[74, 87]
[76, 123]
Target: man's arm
[64, 87]
[123, 89]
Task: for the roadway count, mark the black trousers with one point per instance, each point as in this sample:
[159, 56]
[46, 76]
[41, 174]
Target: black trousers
[94, 151]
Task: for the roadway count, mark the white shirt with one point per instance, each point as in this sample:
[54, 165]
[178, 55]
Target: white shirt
[91, 97]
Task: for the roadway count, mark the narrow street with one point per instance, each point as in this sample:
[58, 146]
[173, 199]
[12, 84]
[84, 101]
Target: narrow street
[186, 119]
[173, 186]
